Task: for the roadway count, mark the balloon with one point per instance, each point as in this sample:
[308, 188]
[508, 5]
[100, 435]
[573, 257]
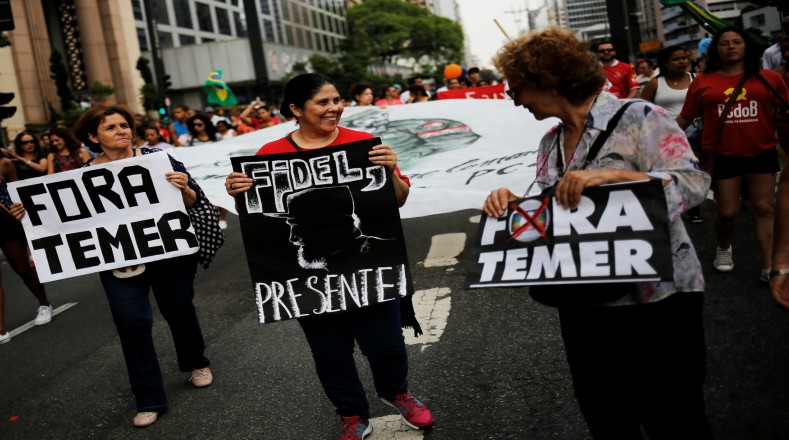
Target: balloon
[704, 44]
[452, 71]
[464, 70]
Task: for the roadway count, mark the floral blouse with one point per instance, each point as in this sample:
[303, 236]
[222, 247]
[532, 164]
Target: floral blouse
[646, 139]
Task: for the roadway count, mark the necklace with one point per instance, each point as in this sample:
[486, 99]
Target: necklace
[674, 83]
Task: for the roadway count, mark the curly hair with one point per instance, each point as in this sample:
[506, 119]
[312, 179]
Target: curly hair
[552, 59]
[88, 123]
[753, 55]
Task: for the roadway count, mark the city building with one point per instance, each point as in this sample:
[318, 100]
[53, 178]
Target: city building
[96, 41]
[197, 37]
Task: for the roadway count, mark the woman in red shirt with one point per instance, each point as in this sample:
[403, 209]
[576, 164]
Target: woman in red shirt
[315, 103]
[745, 147]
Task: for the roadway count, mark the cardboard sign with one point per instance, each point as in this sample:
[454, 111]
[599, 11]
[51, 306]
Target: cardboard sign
[484, 92]
[619, 233]
[322, 232]
[104, 217]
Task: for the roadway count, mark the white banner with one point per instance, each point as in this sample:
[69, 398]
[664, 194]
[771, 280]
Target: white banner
[104, 217]
[455, 151]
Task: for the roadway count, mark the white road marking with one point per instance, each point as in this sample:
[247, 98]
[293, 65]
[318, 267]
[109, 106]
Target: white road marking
[444, 249]
[30, 324]
[393, 428]
[432, 311]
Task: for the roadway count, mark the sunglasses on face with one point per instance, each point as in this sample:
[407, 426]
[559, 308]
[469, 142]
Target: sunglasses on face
[605, 50]
[31, 141]
[198, 125]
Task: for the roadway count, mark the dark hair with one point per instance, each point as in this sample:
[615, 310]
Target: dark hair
[358, 89]
[412, 80]
[597, 44]
[88, 124]
[151, 127]
[72, 143]
[301, 89]
[36, 143]
[210, 129]
[416, 90]
[664, 55]
[473, 70]
[182, 107]
[753, 56]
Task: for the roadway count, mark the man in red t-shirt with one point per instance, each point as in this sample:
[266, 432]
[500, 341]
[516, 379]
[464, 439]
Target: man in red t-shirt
[621, 77]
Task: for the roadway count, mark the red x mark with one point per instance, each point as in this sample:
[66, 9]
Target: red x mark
[531, 220]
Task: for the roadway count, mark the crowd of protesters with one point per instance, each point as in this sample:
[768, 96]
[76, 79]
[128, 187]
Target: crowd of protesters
[731, 105]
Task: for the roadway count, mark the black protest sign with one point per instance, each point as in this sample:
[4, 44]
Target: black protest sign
[322, 232]
[618, 233]
[104, 217]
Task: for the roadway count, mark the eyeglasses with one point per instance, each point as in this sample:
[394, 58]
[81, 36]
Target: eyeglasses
[605, 50]
[31, 141]
[513, 92]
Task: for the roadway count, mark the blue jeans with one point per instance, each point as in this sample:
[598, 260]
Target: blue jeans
[379, 335]
[172, 284]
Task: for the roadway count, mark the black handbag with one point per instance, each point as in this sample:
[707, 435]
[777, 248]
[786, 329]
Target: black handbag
[579, 295]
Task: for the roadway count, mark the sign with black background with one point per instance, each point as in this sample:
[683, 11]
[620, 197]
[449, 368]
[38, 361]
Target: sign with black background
[619, 233]
[322, 232]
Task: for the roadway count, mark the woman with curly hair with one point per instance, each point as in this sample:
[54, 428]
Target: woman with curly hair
[743, 143]
[67, 152]
[637, 361]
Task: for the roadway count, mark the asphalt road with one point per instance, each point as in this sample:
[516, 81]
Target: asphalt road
[497, 371]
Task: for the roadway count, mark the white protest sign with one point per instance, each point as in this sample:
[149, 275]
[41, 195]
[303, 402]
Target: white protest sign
[104, 217]
[455, 151]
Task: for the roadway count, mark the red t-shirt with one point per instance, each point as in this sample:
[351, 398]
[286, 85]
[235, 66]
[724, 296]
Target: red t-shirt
[621, 79]
[257, 124]
[750, 127]
[345, 136]
[396, 101]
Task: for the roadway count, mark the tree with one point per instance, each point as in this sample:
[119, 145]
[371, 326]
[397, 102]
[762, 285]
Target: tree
[58, 72]
[392, 30]
[144, 67]
[100, 91]
[149, 92]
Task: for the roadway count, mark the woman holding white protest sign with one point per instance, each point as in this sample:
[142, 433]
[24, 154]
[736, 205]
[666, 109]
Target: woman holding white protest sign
[315, 103]
[14, 247]
[108, 132]
[637, 360]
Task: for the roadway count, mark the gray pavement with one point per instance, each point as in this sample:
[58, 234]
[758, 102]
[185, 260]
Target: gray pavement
[498, 371]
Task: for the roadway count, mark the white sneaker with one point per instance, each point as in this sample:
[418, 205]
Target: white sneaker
[222, 224]
[6, 338]
[44, 315]
[723, 260]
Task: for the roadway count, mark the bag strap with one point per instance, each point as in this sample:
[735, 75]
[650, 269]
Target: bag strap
[602, 137]
[726, 109]
[772, 89]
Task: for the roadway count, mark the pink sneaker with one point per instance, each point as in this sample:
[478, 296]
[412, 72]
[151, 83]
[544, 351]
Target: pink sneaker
[414, 412]
[354, 428]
